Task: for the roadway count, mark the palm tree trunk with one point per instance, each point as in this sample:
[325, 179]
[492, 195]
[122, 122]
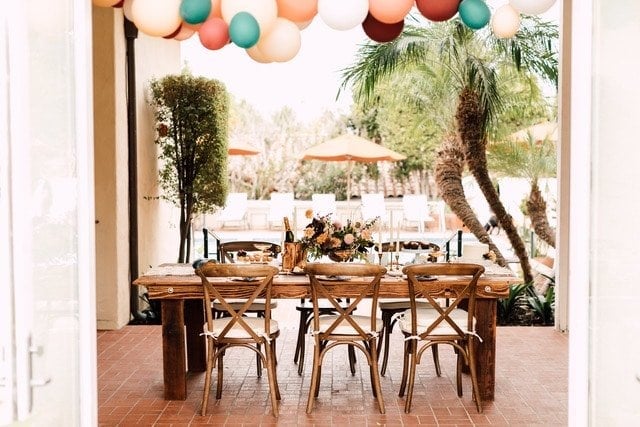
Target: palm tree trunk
[470, 120]
[537, 211]
[448, 172]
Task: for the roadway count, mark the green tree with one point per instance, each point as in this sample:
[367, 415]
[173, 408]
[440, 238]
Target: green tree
[472, 60]
[191, 115]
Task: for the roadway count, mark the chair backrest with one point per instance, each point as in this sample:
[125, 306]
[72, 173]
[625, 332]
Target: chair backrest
[324, 204]
[235, 208]
[354, 281]
[373, 206]
[227, 249]
[253, 281]
[280, 205]
[415, 207]
[464, 276]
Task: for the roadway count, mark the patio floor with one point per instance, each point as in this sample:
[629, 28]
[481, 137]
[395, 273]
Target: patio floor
[531, 385]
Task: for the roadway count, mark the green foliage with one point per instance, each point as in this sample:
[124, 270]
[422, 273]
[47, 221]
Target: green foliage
[191, 115]
[543, 305]
[507, 306]
[322, 177]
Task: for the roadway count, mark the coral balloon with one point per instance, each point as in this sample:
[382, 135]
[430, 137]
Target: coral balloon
[505, 22]
[264, 11]
[532, 7]
[195, 11]
[474, 13]
[297, 10]
[255, 54]
[379, 31]
[343, 14]
[438, 10]
[244, 30]
[105, 3]
[389, 12]
[156, 17]
[214, 33]
[282, 43]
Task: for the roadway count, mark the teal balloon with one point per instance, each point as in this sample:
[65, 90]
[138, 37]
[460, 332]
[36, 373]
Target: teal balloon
[195, 11]
[474, 13]
[244, 30]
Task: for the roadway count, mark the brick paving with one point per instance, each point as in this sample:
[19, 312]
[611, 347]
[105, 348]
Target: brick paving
[531, 385]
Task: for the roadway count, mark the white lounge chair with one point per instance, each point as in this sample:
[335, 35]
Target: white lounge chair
[415, 209]
[234, 213]
[373, 206]
[280, 205]
[324, 204]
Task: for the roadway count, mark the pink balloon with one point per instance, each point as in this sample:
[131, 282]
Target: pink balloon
[214, 33]
[390, 12]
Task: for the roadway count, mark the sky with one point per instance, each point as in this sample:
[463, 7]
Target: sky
[308, 83]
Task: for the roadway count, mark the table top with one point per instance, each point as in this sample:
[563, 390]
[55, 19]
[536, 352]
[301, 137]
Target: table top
[178, 281]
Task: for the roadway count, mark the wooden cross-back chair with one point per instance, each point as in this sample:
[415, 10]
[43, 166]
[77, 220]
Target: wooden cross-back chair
[224, 282]
[333, 282]
[424, 328]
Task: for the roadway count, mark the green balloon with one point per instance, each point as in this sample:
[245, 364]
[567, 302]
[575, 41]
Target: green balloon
[244, 30]
[195, 11]
[475, 14]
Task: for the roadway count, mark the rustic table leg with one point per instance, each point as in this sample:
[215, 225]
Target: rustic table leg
[486, 312]
[196, 350]
[173, 358]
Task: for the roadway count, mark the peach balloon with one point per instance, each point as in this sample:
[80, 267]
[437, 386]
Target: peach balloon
[156, 17]
[264, 11]
[505, 22]
[297, 10]
[126, 9]
[255, 54]
[214, 33]
[216, 8]
[305, 24]
[532, 7]
[184, 33]
[390, 12]
[282, 43]
[105, 3]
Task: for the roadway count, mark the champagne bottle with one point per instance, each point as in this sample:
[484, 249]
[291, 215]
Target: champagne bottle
[288, 234]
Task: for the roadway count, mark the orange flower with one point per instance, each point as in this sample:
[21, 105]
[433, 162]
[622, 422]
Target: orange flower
[308, 213]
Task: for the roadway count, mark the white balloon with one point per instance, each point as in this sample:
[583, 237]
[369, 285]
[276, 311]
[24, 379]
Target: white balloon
[265, 11]
[505, 22]
[282, 43]
[532, 7]
[343, 14]
[156, 17]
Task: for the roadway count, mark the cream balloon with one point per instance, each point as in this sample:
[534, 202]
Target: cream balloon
[343, 15]
[265, 11]
[126, 9]
[532, 7]
[282, 43]
[156, 17]
[255, 54]
[105, 3]
[505, 22]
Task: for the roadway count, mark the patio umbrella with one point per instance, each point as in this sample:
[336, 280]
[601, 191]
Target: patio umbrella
[539, 132]
[242, 149]
[351, 148]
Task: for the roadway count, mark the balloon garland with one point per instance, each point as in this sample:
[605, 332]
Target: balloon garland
[269, 30]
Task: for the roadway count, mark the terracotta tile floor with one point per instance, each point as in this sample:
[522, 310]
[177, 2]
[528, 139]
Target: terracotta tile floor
[531, 386]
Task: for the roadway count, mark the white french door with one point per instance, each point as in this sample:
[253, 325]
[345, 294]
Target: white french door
[47, 314]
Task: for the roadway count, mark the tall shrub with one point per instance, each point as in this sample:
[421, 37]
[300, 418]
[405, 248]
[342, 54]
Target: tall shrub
[191, 115]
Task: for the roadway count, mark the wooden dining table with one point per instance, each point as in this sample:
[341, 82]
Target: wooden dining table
[180, 291]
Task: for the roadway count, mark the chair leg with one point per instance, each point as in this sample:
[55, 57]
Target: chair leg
[207, 379]
[412, 375]
[386, 327]
[303, 343]
[375, 377]
[301, 335]
[273, 382]
[474, 375]
[314, 376]
[258, 361]
[405, 367]
[459, 365]
[436, 359]
[275, 365]
[352, 359]
[220, 375]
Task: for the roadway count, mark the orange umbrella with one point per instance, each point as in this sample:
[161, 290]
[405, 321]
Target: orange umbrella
[351, 148]
[537, 132]
[242, 149]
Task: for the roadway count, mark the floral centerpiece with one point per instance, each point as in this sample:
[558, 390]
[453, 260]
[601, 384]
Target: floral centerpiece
[340, 242]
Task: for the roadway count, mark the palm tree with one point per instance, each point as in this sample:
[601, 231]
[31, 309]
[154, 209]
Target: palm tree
[532, 160]
[473, 61]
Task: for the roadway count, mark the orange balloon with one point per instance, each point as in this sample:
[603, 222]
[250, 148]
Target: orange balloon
[216, 9]
[298, 10]
[390, 12]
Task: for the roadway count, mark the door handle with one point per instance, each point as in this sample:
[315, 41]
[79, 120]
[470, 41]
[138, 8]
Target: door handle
[35, 350]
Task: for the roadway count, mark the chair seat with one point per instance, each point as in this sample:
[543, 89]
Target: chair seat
[237, 331]
[345, 327]
[427, 316]
[401, 304]
[257, 305]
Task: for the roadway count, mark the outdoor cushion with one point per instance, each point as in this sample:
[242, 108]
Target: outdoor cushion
[237, 331]
[345, 327]
[427, 316]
